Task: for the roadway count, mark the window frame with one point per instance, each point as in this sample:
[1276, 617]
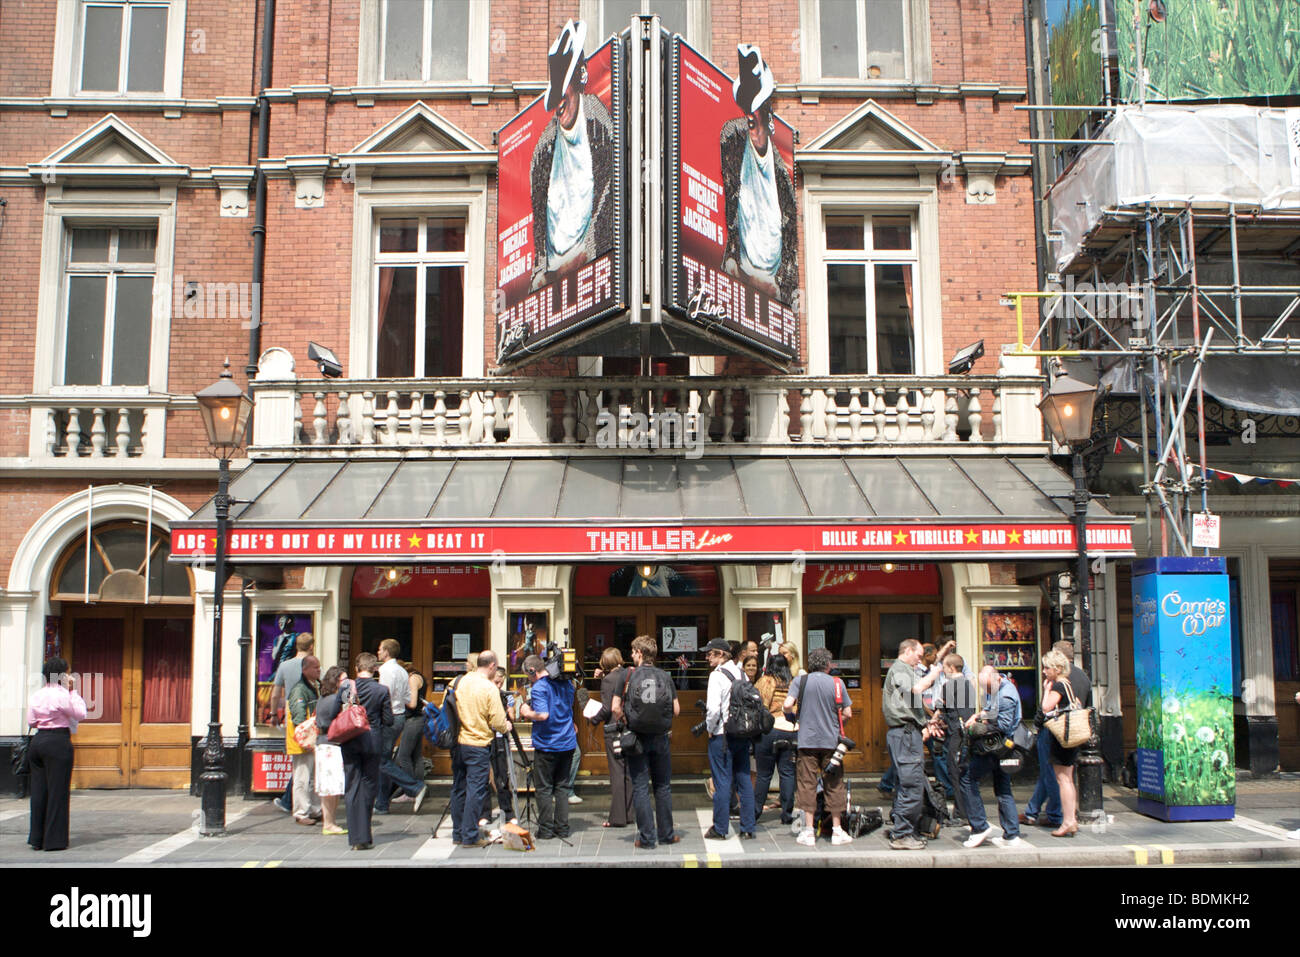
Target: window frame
[371, 53]
[420, 260]
[867, 259]
[918, 67]
[698, 32]
[381, 200]
[840, 197]
[121, 209]
[69, 33]
[112, 269]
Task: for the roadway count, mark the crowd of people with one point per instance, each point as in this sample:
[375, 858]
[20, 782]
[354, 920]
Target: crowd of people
[929, 701]
[760, 705]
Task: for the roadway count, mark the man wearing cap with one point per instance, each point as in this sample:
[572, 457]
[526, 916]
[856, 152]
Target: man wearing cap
[728, 756]
[572, 168]
[761, 230]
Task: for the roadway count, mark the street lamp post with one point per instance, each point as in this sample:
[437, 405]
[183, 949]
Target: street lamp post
[1067, 409]
[225, 410]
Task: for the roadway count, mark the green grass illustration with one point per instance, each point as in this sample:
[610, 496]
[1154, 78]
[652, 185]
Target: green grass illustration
[1074, 52]
[1213, 48]
[1194, 728]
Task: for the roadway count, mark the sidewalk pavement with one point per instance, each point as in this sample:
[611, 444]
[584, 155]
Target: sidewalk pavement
[153, 828]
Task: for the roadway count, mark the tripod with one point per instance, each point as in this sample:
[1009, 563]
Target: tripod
[530, 784]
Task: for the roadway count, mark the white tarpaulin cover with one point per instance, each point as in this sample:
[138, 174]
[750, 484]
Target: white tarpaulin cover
[1207, 155]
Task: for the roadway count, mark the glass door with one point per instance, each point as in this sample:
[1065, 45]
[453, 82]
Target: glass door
[891, 624]
[842, 629]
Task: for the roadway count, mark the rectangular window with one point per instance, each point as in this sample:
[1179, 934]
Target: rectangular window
[871, 299]
[123, 47]
[425, 41]
[109, 276]
[674, 15]
[863, 39]
[420, 265]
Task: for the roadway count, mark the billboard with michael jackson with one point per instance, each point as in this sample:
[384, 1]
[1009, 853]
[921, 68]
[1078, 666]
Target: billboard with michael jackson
[733, 252]
[559, 200]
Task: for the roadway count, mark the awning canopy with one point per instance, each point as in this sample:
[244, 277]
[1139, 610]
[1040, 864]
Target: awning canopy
[768, 508]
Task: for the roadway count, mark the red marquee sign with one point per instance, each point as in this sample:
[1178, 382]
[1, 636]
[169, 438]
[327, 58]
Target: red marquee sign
[325, 544]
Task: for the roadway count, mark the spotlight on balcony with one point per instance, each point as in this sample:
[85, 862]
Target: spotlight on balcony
[325, 360]
[965, 359]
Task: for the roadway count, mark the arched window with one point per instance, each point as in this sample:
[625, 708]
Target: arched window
[121, 553]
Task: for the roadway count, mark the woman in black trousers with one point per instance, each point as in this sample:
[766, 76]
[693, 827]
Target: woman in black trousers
[614, 677]
[54, 712]
[361, 754]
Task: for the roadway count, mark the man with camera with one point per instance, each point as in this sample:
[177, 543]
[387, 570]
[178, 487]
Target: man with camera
[904, 710]
[988, 729]
[643, 705]
[728, 754]
[555, 738]
[822, 704]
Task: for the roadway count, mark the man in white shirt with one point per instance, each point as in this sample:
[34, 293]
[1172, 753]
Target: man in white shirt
[393, 677]
[728, 756]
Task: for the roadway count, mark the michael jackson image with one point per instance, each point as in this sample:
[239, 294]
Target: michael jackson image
[572, 167]
[759, 193]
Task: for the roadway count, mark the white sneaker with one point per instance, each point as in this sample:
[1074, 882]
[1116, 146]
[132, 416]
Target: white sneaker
[1009, 842]
[419, 799]
[977, 837]
[806, 838]
[574, 799]
[839, 836]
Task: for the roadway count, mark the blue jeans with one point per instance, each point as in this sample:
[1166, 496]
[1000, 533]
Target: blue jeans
[390, 772]
[729, 762]
[469, 785]
[941, 772]
[783, 763]
[979, 766]
[1046, 799]
[652, 765]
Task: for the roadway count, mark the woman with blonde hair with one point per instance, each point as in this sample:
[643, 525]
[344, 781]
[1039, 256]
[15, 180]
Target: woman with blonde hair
[1057, 694]
[782, 668]
[613, 678]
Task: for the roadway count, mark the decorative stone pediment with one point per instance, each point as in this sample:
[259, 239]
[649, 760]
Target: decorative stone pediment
[872, 137]
[417, 139]
[108, 151]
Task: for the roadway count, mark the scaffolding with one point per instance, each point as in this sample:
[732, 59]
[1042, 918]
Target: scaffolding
[1175, 241]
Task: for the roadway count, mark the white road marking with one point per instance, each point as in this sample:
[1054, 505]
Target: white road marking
[434, 849]
[731, 845]
[10, 815]
[147, 855]
[1259, 827]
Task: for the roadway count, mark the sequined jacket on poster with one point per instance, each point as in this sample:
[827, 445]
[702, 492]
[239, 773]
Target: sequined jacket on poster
[599, 237]
[733, 140]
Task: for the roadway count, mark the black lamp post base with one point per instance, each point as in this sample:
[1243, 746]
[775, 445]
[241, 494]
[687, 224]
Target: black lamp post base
[1089, 770]
[212, 786]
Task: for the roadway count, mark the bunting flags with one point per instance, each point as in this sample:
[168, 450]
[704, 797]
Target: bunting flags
[1122, 444]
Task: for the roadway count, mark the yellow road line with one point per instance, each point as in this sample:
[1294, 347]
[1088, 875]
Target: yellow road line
[690, 860]
[1139, 854]
[250, 863]
[1166, 853]
[715, 860]
[274, 863]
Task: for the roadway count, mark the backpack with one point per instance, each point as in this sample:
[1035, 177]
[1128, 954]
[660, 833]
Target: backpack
[747, 717]
[648, 701]
[442, 725]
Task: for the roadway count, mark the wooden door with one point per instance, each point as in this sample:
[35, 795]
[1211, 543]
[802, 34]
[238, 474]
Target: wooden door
[134, 667]
[844, 629]
[890, 625]
[614, 622]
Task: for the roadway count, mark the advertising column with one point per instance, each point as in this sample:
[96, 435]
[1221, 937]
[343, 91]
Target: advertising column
[1181, 642]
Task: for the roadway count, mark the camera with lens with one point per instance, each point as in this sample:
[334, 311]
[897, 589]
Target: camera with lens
[698, 730]
[560, 662]
[621, 740]
[841, 748]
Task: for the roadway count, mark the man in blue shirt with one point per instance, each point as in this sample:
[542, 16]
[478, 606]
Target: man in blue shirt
[554, 740]
[1002, 708]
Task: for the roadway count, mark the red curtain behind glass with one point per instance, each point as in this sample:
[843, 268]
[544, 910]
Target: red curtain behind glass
[166, 671]
[97, 650]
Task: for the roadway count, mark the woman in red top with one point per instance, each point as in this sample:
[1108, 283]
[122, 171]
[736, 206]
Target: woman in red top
[54, 712]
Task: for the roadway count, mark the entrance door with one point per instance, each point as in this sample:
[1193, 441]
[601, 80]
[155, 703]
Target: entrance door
[614, 622]
[438, 639]
[133, 668]
[863, 639]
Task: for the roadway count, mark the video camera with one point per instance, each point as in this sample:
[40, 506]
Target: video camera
[561, 661]
[698, 730]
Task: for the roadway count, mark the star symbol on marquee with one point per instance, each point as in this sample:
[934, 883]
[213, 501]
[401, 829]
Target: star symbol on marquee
[971, 537]
[900, 538]
[214, 541]
[1013, 537]
[413, 541]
